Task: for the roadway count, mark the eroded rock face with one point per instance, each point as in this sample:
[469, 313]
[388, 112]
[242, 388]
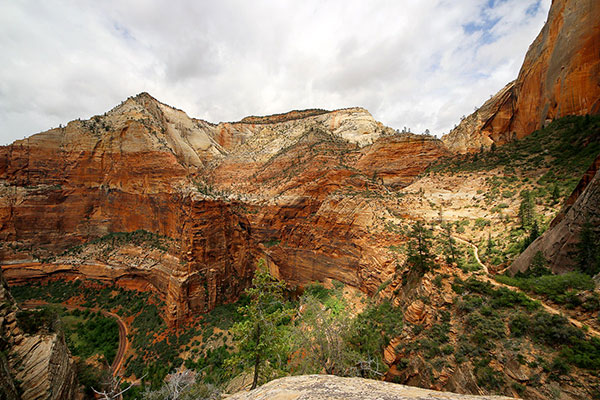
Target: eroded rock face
[329, 387]
[46, 370]
[560, 76]
[558, 244]
[293, 188]
[39, 366]
[10, 334]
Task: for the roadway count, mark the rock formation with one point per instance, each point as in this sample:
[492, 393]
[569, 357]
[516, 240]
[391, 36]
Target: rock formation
[9, 335]
[560, 76]
[558, 243]
[328, 387]
[32, 366]
[292, 188]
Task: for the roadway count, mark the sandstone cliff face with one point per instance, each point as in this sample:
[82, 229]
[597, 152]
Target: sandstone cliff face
[560, 76]
[9, 334]
[293, 188]
[328, 387]
[38, 366]
[46, 370]
[558, 244]
[127, 170]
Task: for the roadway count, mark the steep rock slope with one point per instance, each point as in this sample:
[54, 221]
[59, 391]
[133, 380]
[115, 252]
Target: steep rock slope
[560, 76]
[38, 366]
[558, 244]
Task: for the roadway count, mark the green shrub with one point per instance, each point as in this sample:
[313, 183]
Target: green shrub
[37, 321]
[553, 286]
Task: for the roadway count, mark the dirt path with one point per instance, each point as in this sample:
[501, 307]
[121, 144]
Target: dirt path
[489, 278]
[117, 363]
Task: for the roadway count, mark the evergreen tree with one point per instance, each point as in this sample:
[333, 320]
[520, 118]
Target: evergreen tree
[449, 244]
[526, 209]
[320, 339]
[419, 253]
[490, 245]
[261, 335]
[538, 265]
[588, 250]
[534, 233]
[556, 194]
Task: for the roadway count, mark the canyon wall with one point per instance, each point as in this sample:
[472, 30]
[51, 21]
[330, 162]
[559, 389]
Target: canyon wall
[292, 188]
[560, 76]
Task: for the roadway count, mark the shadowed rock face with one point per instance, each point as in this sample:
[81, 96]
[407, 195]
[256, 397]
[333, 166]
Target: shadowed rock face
[223, 194]
[558, 244]
[560, 76]
[328, 387]
[39, 366]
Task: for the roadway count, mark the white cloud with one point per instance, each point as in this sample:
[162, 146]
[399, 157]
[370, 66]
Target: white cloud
[411, 63]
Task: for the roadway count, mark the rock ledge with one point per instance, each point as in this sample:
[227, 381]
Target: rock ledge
[328, 387]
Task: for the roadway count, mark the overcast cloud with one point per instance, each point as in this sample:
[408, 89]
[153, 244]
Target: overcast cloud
[414, 63]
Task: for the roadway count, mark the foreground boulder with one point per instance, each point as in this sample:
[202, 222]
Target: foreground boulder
[328, 387]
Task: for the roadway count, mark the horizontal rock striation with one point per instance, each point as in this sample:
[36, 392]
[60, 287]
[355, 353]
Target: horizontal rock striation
[290, 188]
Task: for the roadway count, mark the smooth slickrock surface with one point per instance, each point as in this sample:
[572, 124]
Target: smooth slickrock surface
[328, 387]
[38, 365]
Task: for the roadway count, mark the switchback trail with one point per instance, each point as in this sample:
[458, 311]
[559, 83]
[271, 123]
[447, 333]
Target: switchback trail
[117, 363]
[489, 278]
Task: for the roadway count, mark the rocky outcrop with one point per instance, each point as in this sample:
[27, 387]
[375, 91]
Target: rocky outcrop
[328, 387]
[10, 335]
[560, 76]
[32, 366]
[558, 244]
[45, 368]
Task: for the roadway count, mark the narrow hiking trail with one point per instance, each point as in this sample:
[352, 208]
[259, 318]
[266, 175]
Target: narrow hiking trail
[117, 363]
[489, 278]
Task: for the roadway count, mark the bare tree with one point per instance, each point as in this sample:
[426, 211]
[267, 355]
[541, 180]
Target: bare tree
[113, 389]
[179, 382]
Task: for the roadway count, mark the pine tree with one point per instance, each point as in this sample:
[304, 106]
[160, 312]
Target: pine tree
[490, 245]
[556, 194]
[419, 253]
[538, 265]
[588, 250]
[449, 244]
[260, 336]
[526, 209]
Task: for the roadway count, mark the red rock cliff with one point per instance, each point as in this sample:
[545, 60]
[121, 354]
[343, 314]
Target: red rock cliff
[560, 76]
[294, 188]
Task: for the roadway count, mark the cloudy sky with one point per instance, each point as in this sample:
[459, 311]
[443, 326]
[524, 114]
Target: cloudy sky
[415, 63]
